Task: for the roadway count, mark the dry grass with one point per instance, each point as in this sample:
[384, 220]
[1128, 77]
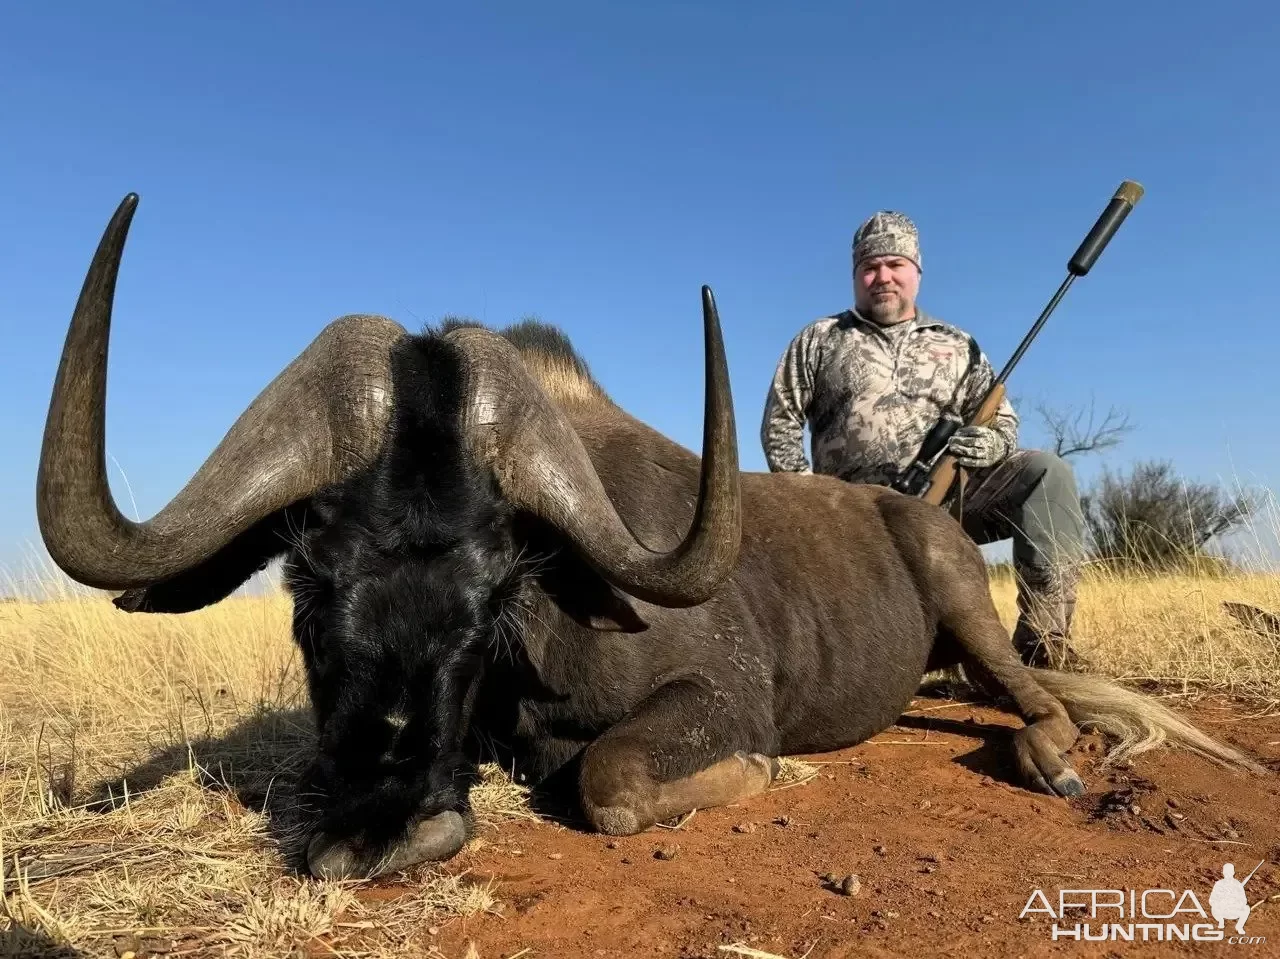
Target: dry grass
[146, 765]
[1172, 630]
[145, 792]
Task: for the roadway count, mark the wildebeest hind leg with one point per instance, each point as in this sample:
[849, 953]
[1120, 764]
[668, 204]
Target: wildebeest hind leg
[989, 657]
[670, 755]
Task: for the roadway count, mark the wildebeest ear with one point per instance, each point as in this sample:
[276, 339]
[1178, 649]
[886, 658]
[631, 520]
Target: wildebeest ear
[612, 612]
[573, 584]
[586, 597]
[221, 574]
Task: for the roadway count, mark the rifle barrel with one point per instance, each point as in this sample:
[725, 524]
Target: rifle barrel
[1031, 334]
[1124, 200]
[920, 477]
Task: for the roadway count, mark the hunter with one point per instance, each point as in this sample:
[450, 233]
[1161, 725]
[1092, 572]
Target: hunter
[871, 381]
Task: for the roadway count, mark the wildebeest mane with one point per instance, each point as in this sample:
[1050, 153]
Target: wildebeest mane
[549, 355]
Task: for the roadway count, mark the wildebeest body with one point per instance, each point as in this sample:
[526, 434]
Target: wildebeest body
[790, 670]
[484, 548]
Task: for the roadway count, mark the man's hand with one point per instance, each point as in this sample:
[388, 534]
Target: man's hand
[975, 447]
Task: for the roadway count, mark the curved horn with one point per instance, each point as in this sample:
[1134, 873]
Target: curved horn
[542, 465]
[319, 419]
[322, 418]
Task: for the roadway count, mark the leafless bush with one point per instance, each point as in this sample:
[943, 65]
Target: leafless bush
[1154, 519]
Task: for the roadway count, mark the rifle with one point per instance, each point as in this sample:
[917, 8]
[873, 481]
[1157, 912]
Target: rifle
[933, 483]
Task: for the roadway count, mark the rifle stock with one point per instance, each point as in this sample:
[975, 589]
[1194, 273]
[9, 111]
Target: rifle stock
[946, 470]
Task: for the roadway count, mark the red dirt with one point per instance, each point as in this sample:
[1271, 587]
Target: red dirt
[947, 848]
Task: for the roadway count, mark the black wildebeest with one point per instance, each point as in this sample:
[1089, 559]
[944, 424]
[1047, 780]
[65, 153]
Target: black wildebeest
[479, 541]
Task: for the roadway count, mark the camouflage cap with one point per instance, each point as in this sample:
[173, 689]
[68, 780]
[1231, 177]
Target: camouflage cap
[887, 233]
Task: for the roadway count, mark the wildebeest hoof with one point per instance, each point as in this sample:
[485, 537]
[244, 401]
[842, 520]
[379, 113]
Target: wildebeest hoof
[770, 766]
[1064, 785]
[1068, 783]
[435, 839]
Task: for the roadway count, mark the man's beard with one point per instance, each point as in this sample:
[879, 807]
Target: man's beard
[886, 309]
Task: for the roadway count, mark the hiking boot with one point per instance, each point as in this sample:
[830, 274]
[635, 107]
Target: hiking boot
[1052, 652]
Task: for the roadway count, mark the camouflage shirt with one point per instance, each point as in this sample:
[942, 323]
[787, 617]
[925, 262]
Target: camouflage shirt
[870, 394]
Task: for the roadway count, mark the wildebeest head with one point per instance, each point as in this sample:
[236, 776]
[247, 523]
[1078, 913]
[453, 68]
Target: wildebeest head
[399, 590]
[417, 456]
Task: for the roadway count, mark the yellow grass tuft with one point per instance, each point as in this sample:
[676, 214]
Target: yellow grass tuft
[146, 765]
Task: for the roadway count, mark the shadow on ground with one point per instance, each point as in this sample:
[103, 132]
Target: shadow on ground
[258, 761]
[993, 756]
[18, 942]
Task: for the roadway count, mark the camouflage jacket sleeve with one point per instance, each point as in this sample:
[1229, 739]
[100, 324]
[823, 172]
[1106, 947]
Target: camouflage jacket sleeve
[976, 386]
[787, 406]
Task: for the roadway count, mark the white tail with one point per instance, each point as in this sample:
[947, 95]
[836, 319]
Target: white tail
[1138, 721]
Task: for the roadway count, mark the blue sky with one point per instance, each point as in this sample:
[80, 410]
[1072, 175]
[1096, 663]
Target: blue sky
[593, 164]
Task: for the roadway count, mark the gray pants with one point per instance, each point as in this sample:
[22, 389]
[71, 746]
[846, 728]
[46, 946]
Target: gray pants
[1031, 498]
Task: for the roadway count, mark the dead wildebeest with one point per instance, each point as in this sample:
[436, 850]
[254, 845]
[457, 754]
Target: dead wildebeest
[479, 542]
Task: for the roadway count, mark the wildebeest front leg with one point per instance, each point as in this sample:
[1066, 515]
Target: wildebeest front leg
[672, 754]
